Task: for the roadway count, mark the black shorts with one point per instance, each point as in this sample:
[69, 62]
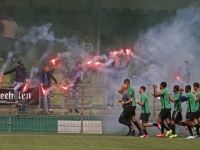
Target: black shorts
[144, 117]
[190, 116]
[133, 110]
[165, 113]
[197, 115]
[177, 116]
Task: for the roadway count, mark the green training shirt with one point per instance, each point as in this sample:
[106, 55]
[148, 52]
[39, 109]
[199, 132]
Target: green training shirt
[177, 103]
[191, 106]
[131, 91]
[198, 102]
[145, 107]
[165, 102]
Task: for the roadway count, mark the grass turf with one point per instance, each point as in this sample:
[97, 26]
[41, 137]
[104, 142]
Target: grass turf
[33, 141]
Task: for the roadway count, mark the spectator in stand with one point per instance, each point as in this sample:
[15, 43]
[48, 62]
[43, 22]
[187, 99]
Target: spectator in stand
[9, 36]
[88, 48]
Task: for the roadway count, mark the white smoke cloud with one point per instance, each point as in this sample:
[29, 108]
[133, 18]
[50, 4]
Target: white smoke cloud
[169, 44]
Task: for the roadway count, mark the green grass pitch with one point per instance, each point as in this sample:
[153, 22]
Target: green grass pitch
[37, 141]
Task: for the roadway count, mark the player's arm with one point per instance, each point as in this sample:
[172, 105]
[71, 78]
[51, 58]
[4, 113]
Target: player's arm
[155, 91]
[141, 103]
[171, 99]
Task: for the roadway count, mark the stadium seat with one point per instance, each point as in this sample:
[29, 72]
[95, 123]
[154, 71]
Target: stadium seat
[116, 21]
[42, 11]
[54, 11]
[117, 31]
[30, 16]
[105, 30]
[115, 12]
[104, 12]
[105, 21]
[91, 30]
[130, 31]
[5, 12]
[127, 12]
[163, 15]
[151, 17]
[173, 12]
[19, 14]
[139, 18]
[127, 21]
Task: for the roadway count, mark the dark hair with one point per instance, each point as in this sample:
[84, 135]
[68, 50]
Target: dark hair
[186, 62]
[164, 84]
[77, 63]
[196, 84]
[188, 87]
[143, 88]
[127, 80]
[176, 87]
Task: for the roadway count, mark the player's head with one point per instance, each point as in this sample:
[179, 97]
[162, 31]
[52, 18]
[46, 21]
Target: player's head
[127, 82]
[186, 63]
[196, 86]
[163, 85]
[176, 88]
[20, 63]
[142, 89]
[87, 38]
[123, 88]
[78, 64]
[188, 88]
[46, 68]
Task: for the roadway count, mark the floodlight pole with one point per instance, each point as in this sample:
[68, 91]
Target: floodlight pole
[82, 113]
[98, 37]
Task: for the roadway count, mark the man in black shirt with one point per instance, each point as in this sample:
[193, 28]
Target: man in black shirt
[45, 83]
[126, 102]
[20, 78]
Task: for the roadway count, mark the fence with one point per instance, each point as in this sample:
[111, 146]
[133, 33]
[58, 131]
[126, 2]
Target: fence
[91, 119]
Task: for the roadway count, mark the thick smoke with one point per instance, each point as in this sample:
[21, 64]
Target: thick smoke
[169, 44]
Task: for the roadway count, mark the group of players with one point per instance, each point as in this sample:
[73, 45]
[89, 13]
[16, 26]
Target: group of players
[165, 120]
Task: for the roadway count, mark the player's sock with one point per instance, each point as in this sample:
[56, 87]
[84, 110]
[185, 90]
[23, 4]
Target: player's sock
[197, 128]
[190, 130]
[155, 124]
[169, 125]
[173, 129]
[137, 125]
[162, 129]
[183, 124]
[164, 126]
[145, 132]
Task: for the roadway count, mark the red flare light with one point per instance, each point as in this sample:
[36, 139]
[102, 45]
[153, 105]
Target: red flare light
[65, 88]
[43, 91]
[89, 62]
[115, 53]
[1, 78]
[128, 51]
[97, 63]
[53, 61]
[25, 88]
[178, 78]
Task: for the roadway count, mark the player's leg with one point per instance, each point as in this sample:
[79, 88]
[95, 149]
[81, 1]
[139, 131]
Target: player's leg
[174, 119]
[163, 115]
[144, 121]
[168, 121]
[134, 120]
[123, 119]
[196, 123]
[190, 124]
